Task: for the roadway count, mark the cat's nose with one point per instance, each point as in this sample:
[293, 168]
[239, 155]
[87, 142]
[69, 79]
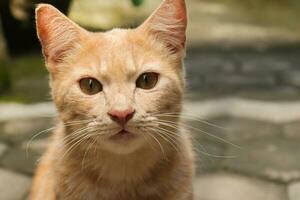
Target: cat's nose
[121, 116]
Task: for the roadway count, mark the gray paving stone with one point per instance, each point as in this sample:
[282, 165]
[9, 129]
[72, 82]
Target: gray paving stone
[36, 146]
[12, 111]
[226, 186]
[208, 64]
[239, 130]
[17, 130]
[274, 158]
[292, 78]
[268, 150]
[265, 64]
[21, 159]
[236, 81]
[246, 146]
[13, 186]
[294, 191]
[275, 112]
[208, 156]
[292, 130]
[236, 130]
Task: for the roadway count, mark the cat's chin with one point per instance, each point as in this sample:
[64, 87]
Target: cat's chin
[123, 142]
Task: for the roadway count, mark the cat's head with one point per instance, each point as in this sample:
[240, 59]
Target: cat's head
[119, 85]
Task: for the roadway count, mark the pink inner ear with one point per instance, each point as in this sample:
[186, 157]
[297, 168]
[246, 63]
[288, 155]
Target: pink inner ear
[42, 15]
[56, 33]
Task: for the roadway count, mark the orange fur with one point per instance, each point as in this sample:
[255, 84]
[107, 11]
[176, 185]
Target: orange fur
[157, 164]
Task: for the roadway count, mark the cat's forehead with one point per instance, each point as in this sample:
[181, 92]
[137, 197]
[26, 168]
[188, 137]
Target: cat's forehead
[120, 51]
[117, 36]
[116, 54]
[116, 43]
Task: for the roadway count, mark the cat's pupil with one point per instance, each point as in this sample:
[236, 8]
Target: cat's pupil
[145, 77]
[91, 83]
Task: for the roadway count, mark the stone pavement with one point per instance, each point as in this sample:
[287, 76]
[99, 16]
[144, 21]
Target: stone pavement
[270, 73]
[246, 149]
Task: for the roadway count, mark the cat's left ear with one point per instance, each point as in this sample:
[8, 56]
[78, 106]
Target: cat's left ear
[168, 24]
[57, 34]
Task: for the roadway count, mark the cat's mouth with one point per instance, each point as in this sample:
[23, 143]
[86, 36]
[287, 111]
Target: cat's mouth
[123, 135]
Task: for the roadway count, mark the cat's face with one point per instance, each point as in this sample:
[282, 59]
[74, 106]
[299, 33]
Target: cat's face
[120, 84]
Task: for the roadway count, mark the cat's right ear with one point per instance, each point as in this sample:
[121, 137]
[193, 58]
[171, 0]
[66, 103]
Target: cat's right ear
[57, 34]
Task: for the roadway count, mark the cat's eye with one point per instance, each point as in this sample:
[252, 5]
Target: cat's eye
[90, 86]
[147, 80]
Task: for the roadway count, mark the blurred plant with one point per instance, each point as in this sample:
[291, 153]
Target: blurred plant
[137, 2]
[5, 83]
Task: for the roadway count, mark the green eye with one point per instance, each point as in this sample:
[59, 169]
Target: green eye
[147, 81]
[90, 86]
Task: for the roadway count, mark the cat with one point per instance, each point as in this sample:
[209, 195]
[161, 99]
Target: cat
[119, 96]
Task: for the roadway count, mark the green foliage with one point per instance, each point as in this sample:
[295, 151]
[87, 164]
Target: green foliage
[137, 2]
[5, 82]
[27, 81]
[27, 66]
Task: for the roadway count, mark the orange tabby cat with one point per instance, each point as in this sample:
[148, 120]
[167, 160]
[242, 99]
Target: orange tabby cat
[118, 95]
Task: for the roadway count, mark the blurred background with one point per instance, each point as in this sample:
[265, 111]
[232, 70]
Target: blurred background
[242, 102]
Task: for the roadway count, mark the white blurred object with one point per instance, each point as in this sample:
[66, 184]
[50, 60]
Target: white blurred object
[108, 14]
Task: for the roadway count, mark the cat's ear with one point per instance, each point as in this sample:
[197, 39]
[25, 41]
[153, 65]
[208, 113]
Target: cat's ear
[57, 33]
[168, 24]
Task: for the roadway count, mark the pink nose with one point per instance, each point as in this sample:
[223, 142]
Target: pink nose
[121, 116]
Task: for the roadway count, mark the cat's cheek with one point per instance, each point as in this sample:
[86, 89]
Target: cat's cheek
[92, 106]
[81, 105]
